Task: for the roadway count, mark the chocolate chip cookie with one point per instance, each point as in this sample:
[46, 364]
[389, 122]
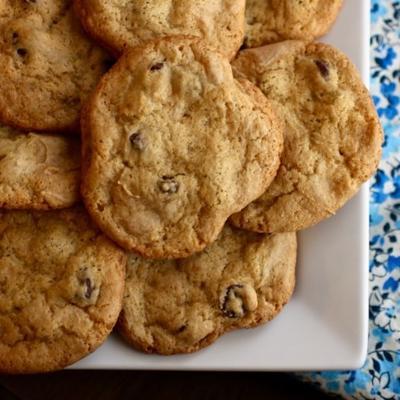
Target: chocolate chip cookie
[38, 171]
[173, 145]
[240, 281]
[270, 21]
[61, 288]
[124, 24]
[332, 138]
[48, 66]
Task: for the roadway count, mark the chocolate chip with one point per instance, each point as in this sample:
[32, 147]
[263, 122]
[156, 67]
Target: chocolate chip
[323, 68]
[89, 288]
[157, 66]
[168, 184]
[138, 141]
[22, 52]
[238, 300]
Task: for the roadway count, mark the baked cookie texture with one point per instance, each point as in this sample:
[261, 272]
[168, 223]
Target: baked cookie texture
[38, 171]
[48, 65]
[61, 288]
[180, 306]
[332, 133]
[270, 21]
[120, 24]
[172, 146]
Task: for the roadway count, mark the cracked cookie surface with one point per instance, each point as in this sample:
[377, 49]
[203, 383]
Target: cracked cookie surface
[38, 171]
[270, 21]
[48, 65]
[332, 141]
[179, 306]
[186, 146]
[129, 23]
[61, 287]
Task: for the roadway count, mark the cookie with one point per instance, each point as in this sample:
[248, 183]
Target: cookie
[38, 171]
[128, 24]
[332, 133]
[173, 145]
[180, 306]
[270, 21]
[61, 289]
[48, 66]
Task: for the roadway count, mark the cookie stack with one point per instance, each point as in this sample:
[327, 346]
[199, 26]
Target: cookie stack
[196, 163]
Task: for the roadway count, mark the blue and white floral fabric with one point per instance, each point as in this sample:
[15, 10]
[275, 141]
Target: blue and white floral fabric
[379, 378]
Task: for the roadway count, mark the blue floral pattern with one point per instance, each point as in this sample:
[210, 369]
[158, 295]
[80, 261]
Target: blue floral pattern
[379, 378]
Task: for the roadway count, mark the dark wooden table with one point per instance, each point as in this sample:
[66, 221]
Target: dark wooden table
[137, 385]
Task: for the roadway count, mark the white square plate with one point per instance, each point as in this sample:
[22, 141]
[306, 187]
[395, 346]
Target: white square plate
[325, 325]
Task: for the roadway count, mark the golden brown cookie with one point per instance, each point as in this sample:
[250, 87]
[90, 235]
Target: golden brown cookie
[173, 145]
[240, 281]
[124, 24]
[38, 171]
[270, 21]
[61, 288]
[332, 138]
[48, 66]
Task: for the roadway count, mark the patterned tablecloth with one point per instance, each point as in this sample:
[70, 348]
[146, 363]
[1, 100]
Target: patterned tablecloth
[379, 378]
